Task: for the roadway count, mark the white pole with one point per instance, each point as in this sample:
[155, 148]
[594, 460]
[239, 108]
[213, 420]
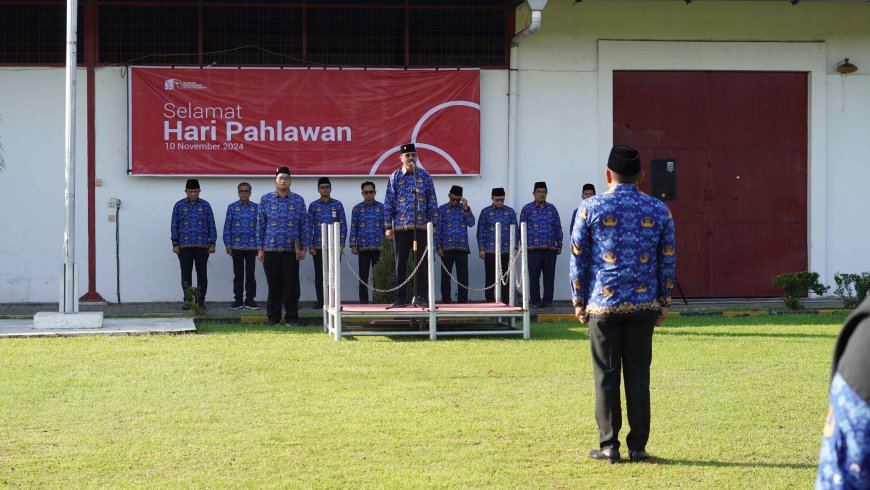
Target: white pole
[430, 235]
[524, 243]
[512, 292]
[497, 262]
[325, 261]
[336, 253]
[68, 299]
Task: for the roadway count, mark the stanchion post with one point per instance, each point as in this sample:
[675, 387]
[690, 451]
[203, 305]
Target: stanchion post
[512, 291]
[497, 262]
[325, 259]
[524, 243]
[336, 254]
[430, 259]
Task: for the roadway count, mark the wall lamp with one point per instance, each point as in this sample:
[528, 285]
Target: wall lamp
[844, 67]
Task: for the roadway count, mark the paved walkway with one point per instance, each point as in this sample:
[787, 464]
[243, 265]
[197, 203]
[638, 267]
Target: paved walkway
[221, 310]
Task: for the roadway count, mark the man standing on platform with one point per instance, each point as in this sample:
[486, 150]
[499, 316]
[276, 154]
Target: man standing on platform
[489, 216]
[283, 231]
[366, 230]
[588, 191]
[622, 275]
[544, 229]
[324, 210]
[451, 242]
[193, 235]
[240, 239]
[409, 205]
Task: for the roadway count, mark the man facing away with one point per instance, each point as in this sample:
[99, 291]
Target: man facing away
[324, 210]
[451, 243]
[240, 239]
[409, 205]
[489, 216]
[193, 235]
[283, 231]
[622, 276]
[544, 230]
[366, 230]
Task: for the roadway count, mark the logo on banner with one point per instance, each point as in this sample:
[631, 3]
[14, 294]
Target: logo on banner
[176, 84]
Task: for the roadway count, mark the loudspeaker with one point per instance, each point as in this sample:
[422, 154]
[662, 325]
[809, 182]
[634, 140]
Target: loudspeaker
[663, 178]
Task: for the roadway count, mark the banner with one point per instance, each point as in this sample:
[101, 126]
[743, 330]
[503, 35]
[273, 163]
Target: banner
[217, 121]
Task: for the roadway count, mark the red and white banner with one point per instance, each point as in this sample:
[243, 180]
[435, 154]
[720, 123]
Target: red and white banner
[192, 121]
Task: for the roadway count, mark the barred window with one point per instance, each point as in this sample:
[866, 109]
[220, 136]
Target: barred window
[36, 33]
[366, 33]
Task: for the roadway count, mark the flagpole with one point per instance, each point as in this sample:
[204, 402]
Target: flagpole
[68, 298]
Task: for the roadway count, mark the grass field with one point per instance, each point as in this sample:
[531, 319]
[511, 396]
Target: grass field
[737, 403]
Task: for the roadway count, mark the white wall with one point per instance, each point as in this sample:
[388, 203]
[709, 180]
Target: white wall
[563, 127]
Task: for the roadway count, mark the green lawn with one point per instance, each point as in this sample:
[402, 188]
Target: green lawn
[737, 403]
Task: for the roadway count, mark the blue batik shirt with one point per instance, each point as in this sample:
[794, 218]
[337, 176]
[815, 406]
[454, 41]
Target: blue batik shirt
[489, 216]
[451, 230]
[844, 461]
[543, 226]
[328, 212]
[282, 223]
[193, 224]
[367, 226]
[240, 226]
[399, 200]
[622, 253]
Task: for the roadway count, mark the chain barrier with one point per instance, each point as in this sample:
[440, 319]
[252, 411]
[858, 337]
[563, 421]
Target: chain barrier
[377, 290]
[504, 277]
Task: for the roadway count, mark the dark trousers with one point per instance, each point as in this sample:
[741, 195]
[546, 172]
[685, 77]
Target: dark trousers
[404, 242]
[367, 261]
[282, 277]
[622, 341]
[318, 276]
[460, 259]
[489, 272]
[243, 274]
[188, 257]
[542, 262]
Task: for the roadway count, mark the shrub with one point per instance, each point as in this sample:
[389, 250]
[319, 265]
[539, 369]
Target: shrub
[191, 299]
[852, 288]
[383, 274]
[796, 284]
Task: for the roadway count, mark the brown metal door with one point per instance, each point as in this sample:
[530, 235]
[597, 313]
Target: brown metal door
[739, 140]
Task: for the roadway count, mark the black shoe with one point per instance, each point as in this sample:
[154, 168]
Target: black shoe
[237, 305]
[638, 455]
[420, 302]
[446, 301]
[272, 323]
[546, 306]
[608, 454]
[397, 304]
[251, 305]
[291, 323]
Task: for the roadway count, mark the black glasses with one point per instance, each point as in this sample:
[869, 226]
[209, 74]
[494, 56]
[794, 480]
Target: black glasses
[244, 191]
[410, 154]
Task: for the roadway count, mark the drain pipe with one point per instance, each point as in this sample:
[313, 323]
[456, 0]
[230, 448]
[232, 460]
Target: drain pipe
[536, 7]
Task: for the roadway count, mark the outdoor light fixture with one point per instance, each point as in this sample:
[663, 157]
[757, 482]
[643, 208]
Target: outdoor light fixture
[844, 67]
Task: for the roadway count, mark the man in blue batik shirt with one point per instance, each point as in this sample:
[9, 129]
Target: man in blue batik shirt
[409, 205]
[240, 239]
[283, 231]
[324, 210]
[844, 461]
[193, 235]
[451, 243]
[366, 231]
[489, 216]
[622, 275]
[544, 230]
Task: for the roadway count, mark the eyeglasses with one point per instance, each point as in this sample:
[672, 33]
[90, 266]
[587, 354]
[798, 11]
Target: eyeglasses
[243, 191]
[324, 186]
[410, 154]
[368, 192]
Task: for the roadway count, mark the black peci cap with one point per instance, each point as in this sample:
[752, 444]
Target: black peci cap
[624, 160]
[192, 184]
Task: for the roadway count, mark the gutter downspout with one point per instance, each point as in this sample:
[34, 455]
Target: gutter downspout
[536, 7]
